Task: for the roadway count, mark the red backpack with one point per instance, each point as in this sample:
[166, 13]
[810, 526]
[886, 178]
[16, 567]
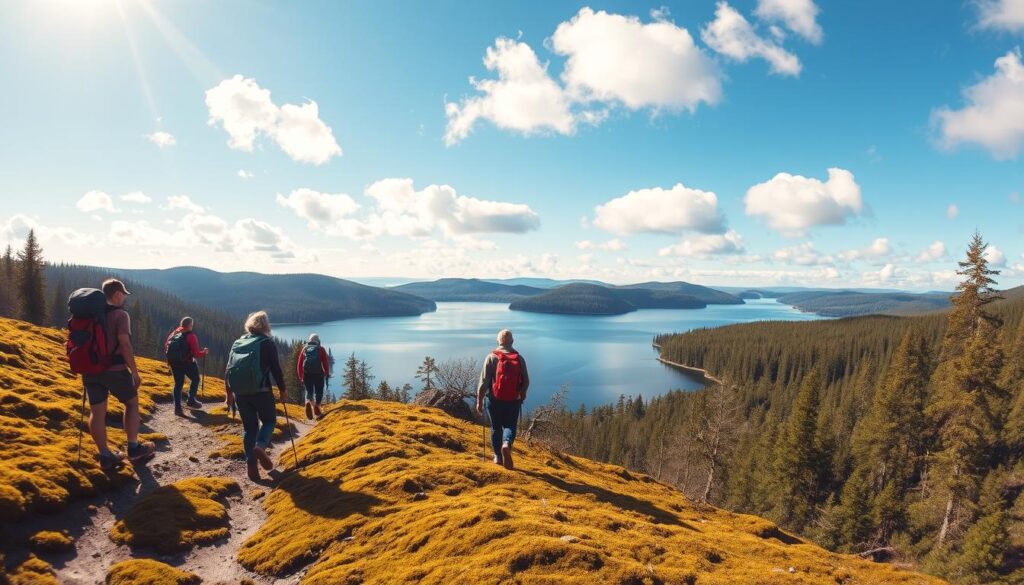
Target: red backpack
[508, 376]
[86, 344]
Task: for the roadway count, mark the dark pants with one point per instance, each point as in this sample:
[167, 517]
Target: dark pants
[258, 420]
[179, 371]
[504, 421]
[314, 387]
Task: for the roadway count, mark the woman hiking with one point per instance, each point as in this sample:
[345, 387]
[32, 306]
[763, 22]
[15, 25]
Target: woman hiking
[182, 349]
[252, 366]
[313, 369]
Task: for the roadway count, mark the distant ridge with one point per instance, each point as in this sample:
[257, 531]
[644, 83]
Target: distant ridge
[468, 289]
[592, 299]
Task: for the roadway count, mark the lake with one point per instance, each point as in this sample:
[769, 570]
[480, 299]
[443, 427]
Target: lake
[598, 357]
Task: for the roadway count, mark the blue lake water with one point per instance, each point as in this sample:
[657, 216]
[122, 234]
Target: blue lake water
[598, 357]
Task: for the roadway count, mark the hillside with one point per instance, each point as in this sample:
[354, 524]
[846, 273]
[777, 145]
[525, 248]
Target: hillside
[592, 299]
[845, 303]
[289, 298]
[468, 290]
[704, 294]
[385, 493]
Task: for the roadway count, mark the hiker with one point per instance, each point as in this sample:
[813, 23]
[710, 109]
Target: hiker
[120, 378]
[252, 366]
[182, 349]
[504, 380]
[313, 368]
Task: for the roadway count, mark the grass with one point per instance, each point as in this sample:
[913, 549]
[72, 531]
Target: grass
[178, 516]
[32, 571]
[51, 541]
[352, 513]
[148, 572]
[40, 402]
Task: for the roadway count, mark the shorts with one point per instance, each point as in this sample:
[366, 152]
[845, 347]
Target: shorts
[119, 383]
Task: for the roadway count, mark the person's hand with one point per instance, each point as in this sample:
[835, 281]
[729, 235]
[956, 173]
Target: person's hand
[229, 399]
[136, 380]
[284, 396]
[206, 350]
[479, 406]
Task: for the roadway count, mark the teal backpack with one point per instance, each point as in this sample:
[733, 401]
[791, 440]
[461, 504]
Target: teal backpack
[245, 373]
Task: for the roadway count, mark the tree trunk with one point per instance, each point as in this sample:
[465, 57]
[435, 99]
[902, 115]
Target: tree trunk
[945, 520]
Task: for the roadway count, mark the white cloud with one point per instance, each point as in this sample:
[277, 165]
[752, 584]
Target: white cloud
[803, 255]
[141, 233]
[615, 58]
[524, 98]
[935, 251]
[15, 231]
[207, 229]
[96, 201]
[793, 204]
[799, 16]
[661, 211]
[1007, 15]
[245, 175]
[879, 248]
[952, 211]
[162, 139]
[245, 111]
[253, 235]
[993, 116]
[704, 245]
[322, 211]
[136, 197]
[996, 258]
[183, 202]
[733, 36]
[613, 245]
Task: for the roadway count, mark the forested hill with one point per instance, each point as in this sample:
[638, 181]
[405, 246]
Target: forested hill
[707, 295]
[468, 289]
[289, 298]
[592, 299]
[845, 303]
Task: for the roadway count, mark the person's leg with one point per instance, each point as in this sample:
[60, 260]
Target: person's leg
[510, 425]
[131, 420]
[179, 380]
[250, 423]
[192, 371]
[318, 394]
[268, 418]
[98, 425]
[493, 410]
[308, 389]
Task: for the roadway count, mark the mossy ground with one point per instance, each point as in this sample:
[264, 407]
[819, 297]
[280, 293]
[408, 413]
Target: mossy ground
[148, 572]
[50, 540]
[177, 516]
[352, 511]
[40, 402]
[32, 571]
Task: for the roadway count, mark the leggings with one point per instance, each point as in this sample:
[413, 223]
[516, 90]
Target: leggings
[258, 420]
[179, 371]
[314, 386]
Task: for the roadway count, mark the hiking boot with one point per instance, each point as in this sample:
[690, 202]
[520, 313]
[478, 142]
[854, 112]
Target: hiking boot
[497, 460]
[317, 412]
[194, 404]
[506, 455]
[141, 450]
[252, 470]
[111, 460]
[179, 411]
[261, 454]
[309, 410]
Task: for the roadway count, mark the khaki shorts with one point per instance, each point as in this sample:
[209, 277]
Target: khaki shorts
[119, 383]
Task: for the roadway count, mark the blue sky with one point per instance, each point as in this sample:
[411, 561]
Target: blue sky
[757, 142]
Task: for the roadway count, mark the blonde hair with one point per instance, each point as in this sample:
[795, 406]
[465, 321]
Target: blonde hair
[505, 337]
[258, 322]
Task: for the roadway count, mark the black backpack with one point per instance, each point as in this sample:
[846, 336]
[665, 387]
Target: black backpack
[312, 366]
[178, 351]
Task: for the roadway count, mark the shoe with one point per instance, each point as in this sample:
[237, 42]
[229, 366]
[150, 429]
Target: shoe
[506, 455]
[497, 460]
[179, 411]
[264, 459]
[317, 412]
[111, 460]
[142, 450]
[309, 410]
[194, 404]
[252, 470]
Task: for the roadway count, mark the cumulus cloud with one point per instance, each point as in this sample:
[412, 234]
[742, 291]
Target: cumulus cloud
[803, 254]
[524, 98]
[183, 202]
[141, 233]
[136, 197]
[952, 211]
[245, 175]
[793, 204]
[799, 16]
[879, 248]
[993, 114]
[246, 111]
[322, 211]
[1005, 15]
[17, 226]
[935, 251]
[996, 258]
[661, 211]
[96, 201]
[733, 36]
[162, 139]
[704, 245]
[613, 245]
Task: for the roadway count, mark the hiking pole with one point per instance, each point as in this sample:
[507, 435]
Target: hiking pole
[291, 435]
[81, 423]
[202, 374]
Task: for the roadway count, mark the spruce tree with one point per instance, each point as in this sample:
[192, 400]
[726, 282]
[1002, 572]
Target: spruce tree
[384, 391]
[31, 290]
[351, 380]
[797, 458]
[8, 284]
[427, 372]
[986, 543]
[365, 378]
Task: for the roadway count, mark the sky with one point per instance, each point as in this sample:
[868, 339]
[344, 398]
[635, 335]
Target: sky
[741, 143]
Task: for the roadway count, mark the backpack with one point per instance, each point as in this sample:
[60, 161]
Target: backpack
[508, 376]
[177, 349]
[311, 365]
[86, 343]
[245, 373]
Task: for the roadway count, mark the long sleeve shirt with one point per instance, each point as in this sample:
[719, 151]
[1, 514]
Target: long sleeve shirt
[324, 363]
[490, 368]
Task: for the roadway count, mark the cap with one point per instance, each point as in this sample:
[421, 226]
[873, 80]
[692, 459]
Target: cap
[113, 285]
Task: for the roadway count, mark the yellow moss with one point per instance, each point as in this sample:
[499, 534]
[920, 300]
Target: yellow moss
[49, 540]
[177, 516]
[148, 572]
[353, 513]
[33, 571]
[41, 402]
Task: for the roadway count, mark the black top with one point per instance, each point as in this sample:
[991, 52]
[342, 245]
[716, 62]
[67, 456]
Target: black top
[271, 363]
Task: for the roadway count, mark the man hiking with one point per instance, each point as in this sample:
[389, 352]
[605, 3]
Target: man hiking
[313, 368]
[121, 379]
[504, 380]
[252, 364]
[182, 349]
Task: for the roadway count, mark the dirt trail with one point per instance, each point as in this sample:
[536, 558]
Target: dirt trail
[184, 455]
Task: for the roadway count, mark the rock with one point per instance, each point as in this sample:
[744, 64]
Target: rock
[570, 538]
[96, 555]
[792, 570]
[91, 509]
[420, 496]
[193, 459]
[558, 515]
[451, 403]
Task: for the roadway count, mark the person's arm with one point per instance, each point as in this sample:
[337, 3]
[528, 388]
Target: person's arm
[229, 397]
[193, 346]
[325, 363]
[524, 384]
[300, 364]
[124, 344]
[486, 380]
[268, 353]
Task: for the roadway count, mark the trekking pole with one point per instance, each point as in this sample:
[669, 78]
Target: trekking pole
[81, 423]
[291, 435]
[202, 385]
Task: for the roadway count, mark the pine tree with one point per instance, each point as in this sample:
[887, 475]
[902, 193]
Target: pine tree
[426, 372]
[405, 394]
[8, 284]
[986, 543]
[365, 378]
[31, 290]
[59, 305]
[384, 391]
[351, 380]
[797, 459]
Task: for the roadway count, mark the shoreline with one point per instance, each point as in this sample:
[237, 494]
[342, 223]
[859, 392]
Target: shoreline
[704, 373]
